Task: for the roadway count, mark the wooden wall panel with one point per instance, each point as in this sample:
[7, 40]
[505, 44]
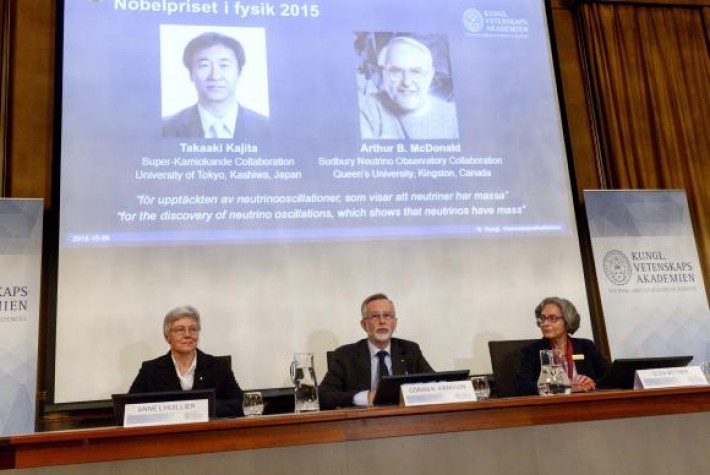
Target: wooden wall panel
[31, 100]
[583, 147]
[576, 102]
[4, 86]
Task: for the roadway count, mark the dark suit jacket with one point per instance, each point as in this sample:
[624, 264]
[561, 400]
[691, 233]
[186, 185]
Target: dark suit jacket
[159, 375]
[350, 370]
[593, 365]
[250, 127]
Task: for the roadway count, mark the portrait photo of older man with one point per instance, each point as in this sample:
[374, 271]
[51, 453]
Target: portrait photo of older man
[405, 88]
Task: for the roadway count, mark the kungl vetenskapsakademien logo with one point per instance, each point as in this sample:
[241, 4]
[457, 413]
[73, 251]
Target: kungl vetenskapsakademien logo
[495, 23]
[473, 20]
[617, 267]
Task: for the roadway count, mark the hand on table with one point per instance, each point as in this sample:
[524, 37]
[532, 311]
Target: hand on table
[583, 384]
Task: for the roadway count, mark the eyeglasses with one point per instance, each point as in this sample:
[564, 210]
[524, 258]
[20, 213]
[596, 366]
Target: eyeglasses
[548, 318]
[185, 330]
[414, 74]
[385, 315]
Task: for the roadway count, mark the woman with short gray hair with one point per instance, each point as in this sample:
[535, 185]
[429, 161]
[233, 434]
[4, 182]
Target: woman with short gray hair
[558, 320]
[185, 367]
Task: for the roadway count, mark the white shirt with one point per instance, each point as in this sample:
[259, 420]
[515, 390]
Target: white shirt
[360, 399]
[187, 380]
[216, 127]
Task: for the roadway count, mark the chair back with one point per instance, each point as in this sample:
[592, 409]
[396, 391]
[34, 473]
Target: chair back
[227, 358]
[505, 359]
[329, 357]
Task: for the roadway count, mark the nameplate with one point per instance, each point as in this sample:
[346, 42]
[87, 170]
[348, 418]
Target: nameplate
[164, 413]
[444, 392]
[669, 378]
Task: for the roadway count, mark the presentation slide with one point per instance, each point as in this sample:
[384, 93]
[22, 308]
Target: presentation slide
[275, 163]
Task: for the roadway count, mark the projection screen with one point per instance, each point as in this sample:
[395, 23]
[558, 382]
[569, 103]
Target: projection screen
[441, 181]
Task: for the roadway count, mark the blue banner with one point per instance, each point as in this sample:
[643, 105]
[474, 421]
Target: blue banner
[649, 274]
[20, 271]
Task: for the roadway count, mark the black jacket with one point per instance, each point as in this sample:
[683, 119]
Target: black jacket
[350, 370]
[591, 364]
[210, 373]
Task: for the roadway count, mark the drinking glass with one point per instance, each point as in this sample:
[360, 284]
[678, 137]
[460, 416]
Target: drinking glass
[253, 404]
[481, 387]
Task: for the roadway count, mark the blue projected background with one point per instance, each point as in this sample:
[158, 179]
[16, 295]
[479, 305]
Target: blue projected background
[313, 177]
[278, 236]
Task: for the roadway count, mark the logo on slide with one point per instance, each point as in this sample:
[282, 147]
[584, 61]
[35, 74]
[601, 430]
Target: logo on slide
[495, 23]
[473, 20]
[617, 267]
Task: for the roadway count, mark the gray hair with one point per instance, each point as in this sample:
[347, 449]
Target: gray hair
[569, 313]
[183, 311]
[404, 40]
[372, 298]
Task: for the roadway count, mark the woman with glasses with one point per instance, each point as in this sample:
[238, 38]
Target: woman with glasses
[558, 320]
[185, 367]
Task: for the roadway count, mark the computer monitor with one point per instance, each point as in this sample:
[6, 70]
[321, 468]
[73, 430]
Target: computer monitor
[388, 387]
[621, 373]
[120, 400]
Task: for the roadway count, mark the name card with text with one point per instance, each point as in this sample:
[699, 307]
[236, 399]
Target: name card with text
[444, 392]
[669, 378]
[164, 413]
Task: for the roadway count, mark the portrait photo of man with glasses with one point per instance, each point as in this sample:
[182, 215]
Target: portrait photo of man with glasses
[406, 88]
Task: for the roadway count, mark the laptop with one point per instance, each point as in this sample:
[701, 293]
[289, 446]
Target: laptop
[388, 387]
[120, 400]
[621, 373]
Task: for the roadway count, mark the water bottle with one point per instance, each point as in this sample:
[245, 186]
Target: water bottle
[553, 375]
[305, 386]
